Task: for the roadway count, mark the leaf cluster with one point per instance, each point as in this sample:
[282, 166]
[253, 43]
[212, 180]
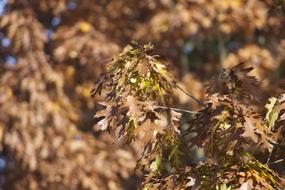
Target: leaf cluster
[229, 128]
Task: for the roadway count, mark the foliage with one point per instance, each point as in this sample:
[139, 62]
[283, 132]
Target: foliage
[228, 128]
[52, 50]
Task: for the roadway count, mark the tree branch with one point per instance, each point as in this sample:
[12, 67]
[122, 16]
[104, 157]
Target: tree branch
[190, 95]
[176, 109]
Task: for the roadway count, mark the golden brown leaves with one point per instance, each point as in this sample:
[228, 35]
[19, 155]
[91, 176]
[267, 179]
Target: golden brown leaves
[132, 83]
[236, 83]
[253, 56]
[228, 127]
[25, 31]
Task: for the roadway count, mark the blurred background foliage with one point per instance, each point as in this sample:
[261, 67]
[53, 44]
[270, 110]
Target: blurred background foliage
[51, 52]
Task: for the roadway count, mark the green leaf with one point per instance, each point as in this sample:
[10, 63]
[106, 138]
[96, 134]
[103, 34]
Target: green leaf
[224, 187]
[156, 164]
[272, 113]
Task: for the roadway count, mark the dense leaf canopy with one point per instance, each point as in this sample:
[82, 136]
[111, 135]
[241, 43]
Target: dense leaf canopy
[195, 101]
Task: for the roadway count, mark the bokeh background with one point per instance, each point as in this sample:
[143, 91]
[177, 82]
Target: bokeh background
[52, 51]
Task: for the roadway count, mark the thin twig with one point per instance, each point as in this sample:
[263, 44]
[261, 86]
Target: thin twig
[269, 156]
[177, 109]
[190, 95]
[277, 161]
